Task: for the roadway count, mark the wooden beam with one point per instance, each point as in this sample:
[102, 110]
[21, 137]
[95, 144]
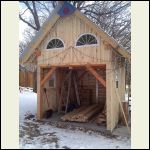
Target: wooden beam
[82, 75]
[41, 100]
[69, 88]
[76, 89]
[60, 98]
[96, 91]
[49, 74]
[71, 65]
[96, 75]
[39, 94]
[62, 89]
[58, 84]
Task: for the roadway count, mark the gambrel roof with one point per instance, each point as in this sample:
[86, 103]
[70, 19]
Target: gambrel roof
[56, 14]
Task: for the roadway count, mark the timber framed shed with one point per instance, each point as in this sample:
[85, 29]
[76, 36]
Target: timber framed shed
[78, 65]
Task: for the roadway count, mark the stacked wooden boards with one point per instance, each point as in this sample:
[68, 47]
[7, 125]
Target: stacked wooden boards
[101, 117]
[82, 114]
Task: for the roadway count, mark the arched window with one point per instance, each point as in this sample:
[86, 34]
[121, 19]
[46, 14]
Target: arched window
[55, 43]
[86, 39]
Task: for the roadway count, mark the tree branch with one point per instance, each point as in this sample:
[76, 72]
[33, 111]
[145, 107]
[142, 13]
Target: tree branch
[24, 11]
[36, 16]
[29, 24]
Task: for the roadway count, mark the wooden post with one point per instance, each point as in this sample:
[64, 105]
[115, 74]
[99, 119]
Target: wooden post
[108, 98]
[76, 89]
[58, 86]
[35, 81]
[60, 99]
[61, 94]
[96, 91]
[122, 82]
[39, 93]
[69, 87]
[126, 112]
[121, 87]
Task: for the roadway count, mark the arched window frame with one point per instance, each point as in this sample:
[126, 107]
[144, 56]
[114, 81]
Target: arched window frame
[98, 41]
[54, 48]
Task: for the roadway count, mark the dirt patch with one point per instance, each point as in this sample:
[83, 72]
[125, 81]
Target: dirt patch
[62, 125]
[30, 131]
[36, 133]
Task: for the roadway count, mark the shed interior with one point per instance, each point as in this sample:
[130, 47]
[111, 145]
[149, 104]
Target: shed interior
[76, 94]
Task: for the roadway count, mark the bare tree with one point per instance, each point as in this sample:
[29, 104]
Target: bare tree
[32, 8]
[34, 14]
[112, 16]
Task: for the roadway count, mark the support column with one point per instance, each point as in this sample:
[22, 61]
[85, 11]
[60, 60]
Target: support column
[108, 96]
[123, 82]
[122, 88]
[58, 85]
[39, 94]
[96, 91]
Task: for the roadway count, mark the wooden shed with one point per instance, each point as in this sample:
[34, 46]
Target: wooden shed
[77, 63]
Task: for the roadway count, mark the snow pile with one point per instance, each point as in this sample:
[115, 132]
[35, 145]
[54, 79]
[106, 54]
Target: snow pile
[27, 104]
[80, 140]
[55, 138]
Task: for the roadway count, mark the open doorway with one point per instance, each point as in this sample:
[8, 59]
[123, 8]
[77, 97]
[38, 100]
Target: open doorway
[77, 96]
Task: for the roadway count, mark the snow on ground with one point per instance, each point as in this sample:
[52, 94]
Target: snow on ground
[27, 104]
[41, 135]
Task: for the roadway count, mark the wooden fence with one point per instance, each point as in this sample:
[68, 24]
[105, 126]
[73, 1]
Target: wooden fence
[26, 79]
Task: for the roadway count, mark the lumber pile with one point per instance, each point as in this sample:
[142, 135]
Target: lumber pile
[101, 117]
[82, 114]
[68, 116]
